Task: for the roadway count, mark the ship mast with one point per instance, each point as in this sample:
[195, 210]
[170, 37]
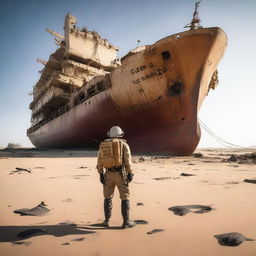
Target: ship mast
[195, 22]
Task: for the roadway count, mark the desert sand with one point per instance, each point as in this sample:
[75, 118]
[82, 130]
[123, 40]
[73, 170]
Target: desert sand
[67, 183]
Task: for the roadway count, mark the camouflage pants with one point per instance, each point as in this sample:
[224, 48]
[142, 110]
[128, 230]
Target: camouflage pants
[115, 179]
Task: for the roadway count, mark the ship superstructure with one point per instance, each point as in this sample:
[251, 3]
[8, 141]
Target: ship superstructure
[82, 55]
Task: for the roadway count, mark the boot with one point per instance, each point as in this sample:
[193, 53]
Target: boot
[125, 206]
[107, 211]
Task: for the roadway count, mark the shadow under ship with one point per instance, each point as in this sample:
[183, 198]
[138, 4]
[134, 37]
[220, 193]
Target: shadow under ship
[153, 93]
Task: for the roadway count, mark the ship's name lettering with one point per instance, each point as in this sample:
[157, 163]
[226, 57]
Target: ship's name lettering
[138, 69]
[141, 68]
[157, 72]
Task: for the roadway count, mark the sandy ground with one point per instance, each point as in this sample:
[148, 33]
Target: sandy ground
[74, 197]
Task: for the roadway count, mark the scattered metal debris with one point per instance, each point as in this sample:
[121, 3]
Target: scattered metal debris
[67, 243]
[198, 155]
[141, 222]
[187, 174]
[184, 209]
[36, 211]
[243, 159]
[156, 230]
[232, 239]
[78, 239]
[250, 181]
[144, 158]
[162, 178]
[19, 170]
[233, 158]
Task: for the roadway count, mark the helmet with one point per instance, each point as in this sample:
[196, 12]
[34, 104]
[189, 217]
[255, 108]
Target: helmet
[115, 132]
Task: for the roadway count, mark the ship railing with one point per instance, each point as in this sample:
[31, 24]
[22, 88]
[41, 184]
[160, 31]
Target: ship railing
[54, 114]
[91, 91]
[80, 98]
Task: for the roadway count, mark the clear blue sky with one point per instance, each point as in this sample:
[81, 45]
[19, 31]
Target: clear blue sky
[229, 110]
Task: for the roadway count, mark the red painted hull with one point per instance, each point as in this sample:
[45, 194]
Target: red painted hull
[147, 130]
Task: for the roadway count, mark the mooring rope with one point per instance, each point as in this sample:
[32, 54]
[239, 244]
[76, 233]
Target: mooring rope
[216, 137]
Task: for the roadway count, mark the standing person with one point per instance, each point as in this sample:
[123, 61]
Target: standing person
[114, 167]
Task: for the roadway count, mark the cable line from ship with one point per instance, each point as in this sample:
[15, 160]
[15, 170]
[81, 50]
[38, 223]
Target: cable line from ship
[216, 137]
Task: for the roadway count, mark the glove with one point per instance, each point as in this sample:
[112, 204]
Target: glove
[102, 179]
[130, 177]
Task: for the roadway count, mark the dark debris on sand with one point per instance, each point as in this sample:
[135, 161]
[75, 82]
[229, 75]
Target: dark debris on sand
[198, 155]
[250, 181]
[156, 230]
[40, 209]
[78, 239]
[231, 239]
[187, 174]
[143, 222]
[19, 170]
[162, 178]
[243, 159]
[150, 158]
[143, 159]
[67, 243]
[185, 209]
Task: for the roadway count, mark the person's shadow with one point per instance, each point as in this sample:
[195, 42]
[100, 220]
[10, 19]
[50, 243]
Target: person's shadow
[17, 233]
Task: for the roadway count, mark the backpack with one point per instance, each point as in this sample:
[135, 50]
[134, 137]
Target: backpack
[111, 152]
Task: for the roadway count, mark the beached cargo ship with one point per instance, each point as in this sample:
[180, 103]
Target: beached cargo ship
[154, 92]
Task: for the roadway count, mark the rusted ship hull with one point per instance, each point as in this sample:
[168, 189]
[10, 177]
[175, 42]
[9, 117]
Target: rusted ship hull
[144, 132]
[154, 96]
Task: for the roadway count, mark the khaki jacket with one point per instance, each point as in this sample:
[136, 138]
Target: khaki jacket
[127, 162]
